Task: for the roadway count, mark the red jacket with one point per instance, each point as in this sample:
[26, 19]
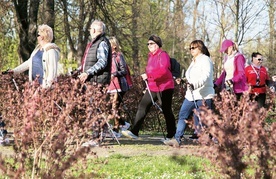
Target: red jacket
[158, 71]
[251, 78]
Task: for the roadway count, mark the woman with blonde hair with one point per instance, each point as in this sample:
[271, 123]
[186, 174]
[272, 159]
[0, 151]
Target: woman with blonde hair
[118, 83]
[43, 62]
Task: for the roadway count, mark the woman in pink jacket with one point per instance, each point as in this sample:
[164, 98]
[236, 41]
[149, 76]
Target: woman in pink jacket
[233, 76]
[161, 86]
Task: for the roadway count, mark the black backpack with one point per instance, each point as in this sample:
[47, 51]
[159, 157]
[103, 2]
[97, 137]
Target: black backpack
[175, 68]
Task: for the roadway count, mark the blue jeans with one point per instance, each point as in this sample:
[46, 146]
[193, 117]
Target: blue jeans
[186, 109]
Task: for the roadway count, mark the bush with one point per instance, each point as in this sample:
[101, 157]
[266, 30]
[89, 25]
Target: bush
[49, 126]
[245, 141]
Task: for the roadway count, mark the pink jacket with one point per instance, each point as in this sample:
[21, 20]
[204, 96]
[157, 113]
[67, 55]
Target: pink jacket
[239, 79]
[158, 71]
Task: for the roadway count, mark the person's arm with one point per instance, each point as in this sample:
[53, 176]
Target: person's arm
[239, 69]
[121, 70]
[51, 67]
[22, 67]
[220, 80]
[102, 56]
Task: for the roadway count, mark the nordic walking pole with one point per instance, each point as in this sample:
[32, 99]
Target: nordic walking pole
[13, 80]
[199, 120]
[157, 106]
[61, 109]
[109, 127]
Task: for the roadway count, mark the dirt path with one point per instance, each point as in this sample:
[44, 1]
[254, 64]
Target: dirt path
[145, 145]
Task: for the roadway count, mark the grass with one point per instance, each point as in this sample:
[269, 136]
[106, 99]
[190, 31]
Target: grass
[145, 166]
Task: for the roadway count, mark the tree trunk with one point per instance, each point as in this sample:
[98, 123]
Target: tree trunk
[26, 19]
[135, 46]
[272, 34]
[49, 13]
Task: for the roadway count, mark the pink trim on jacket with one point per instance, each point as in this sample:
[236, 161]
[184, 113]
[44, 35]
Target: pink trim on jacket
[239, 79]
[158, 71]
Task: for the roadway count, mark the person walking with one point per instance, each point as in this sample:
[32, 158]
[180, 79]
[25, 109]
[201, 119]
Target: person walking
[233, 76]
[95, 69]
[257, 79]
[43, 62]
[118, 85]
[161, 86]
[200, 89]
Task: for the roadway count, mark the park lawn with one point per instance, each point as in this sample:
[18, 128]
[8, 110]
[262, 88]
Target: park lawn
[146, 166]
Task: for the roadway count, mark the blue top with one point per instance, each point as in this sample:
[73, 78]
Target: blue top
[37, 68]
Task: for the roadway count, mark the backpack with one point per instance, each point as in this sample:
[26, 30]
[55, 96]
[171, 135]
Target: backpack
[175, 68]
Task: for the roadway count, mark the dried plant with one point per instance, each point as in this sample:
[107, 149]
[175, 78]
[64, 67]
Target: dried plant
[49, 126]
[243, 139]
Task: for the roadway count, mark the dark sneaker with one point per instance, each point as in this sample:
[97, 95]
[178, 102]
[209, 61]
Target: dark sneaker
[194, 137]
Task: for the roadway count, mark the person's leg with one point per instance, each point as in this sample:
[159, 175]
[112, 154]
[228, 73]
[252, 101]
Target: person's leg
[198, 123]
[261, 100]
[186, 108]
[143, 109]
[166, 97]
[238, 96]
[119, 101]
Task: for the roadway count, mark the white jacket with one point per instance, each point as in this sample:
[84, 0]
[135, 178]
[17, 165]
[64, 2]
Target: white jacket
[50, 58]
[200, 74]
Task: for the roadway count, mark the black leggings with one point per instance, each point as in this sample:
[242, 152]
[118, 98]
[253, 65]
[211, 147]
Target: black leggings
[260, 98]
[146, 103]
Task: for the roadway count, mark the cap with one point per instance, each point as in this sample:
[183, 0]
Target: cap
[225, 44]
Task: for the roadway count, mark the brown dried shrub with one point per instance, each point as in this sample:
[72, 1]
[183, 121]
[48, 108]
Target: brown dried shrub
[245, 139]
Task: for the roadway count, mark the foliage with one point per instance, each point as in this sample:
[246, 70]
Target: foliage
[49, 125]
[245, 140]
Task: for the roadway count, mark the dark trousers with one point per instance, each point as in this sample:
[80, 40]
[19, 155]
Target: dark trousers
[146, 103]
[260, 98]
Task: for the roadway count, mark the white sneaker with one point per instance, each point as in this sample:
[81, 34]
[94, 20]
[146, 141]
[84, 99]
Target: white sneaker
[125, 127]
[167, 139]
[110, 135]
[172, 142]
[129, 134]
[91, 143]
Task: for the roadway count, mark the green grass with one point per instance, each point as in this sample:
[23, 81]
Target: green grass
[144, 166]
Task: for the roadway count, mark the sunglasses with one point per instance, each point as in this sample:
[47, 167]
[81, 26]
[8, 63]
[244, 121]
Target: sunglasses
[151, 43]
[192, 48]
[259, 59]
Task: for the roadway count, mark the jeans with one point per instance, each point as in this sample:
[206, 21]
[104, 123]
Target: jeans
[186, 109]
